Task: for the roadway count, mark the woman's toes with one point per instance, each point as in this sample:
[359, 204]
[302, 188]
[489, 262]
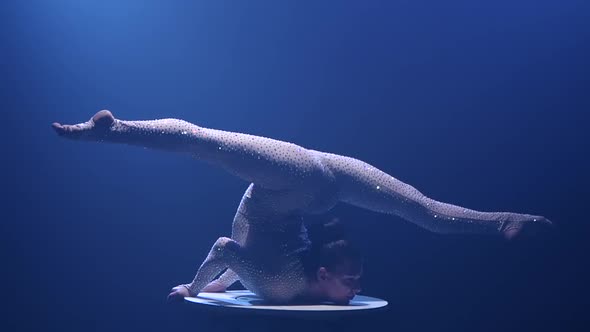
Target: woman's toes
[537, 226]
[68, 130]
[59, 129]
[511, 233]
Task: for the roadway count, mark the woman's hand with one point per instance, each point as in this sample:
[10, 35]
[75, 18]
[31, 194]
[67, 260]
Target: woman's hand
[178, 294]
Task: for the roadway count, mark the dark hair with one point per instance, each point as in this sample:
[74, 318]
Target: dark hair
[331, 249]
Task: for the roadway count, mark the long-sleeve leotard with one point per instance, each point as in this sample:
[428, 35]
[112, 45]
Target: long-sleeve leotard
[308, 180]
[292, 181]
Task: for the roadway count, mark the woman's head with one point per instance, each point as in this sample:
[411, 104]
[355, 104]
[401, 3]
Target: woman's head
[334, 266]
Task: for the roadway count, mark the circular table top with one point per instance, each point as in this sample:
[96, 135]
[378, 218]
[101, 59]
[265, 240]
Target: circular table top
[245, 300]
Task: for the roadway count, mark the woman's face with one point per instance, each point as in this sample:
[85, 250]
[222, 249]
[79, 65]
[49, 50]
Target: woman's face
[339, 288]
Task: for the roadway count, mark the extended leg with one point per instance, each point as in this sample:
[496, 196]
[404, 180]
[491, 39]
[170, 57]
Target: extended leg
[305, 174]
[270, 163]
[363, 185]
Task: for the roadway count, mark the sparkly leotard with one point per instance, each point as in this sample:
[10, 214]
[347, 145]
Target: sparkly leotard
[287, 182]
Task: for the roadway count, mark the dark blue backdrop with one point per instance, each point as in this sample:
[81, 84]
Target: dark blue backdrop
[476, 103]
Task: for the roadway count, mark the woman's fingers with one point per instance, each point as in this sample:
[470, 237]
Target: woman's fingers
[177, 294]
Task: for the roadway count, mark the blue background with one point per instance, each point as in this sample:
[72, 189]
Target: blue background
[476, 103]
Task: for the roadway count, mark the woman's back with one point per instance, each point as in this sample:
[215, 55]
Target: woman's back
[273, 239]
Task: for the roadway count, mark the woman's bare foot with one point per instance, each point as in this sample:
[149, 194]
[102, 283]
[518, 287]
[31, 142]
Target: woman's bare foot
[92, 129]
[514, 229]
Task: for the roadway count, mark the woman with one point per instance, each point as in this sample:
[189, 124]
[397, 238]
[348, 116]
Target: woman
[269, 251]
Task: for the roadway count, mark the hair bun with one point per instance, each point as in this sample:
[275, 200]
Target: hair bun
[323, 233]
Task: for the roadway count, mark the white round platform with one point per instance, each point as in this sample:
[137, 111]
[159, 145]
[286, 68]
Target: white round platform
[246, 300]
